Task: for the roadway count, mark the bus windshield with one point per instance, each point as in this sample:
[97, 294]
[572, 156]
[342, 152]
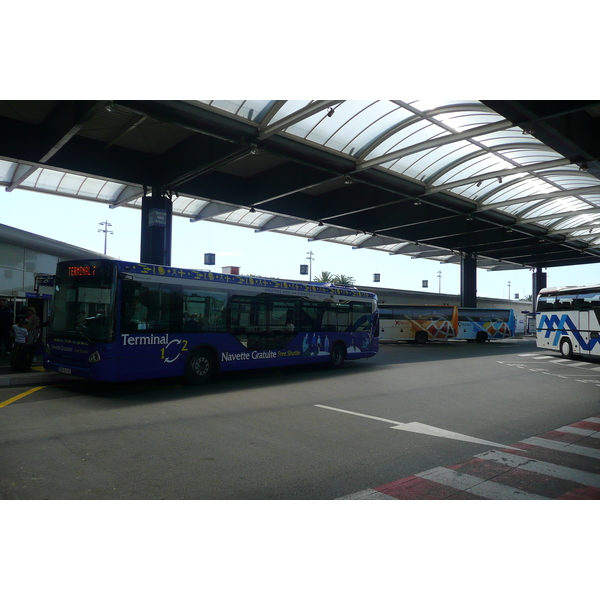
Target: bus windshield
[84, 301]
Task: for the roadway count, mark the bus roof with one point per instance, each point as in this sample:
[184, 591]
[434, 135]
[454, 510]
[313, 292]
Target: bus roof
[266, 283]
[554, 290]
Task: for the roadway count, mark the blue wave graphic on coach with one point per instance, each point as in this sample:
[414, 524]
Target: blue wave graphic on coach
[562, 325]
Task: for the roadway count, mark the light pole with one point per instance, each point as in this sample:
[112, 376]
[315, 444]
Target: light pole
[309, 256]
[509, 290]
[439, 282]
[105, 231]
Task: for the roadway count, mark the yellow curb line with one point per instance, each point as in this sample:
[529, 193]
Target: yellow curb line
[15, 398]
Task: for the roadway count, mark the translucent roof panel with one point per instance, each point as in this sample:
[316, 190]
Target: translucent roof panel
[459, 147]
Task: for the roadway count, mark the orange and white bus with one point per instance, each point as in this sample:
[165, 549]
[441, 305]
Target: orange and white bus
[417, 322]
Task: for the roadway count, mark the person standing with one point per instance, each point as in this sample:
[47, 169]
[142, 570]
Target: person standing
[33, 324]
[22, 352]
[6, 321]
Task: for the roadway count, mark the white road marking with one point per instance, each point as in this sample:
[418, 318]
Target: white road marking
[367, 494]
[593, 419]
[543, 468]
[422, 428]
[555, 445]
[576, 430]
[476, 485]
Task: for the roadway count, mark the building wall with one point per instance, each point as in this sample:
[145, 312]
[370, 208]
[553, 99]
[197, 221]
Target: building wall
[19, 266]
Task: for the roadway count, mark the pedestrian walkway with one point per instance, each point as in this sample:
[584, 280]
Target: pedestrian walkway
[563, 464]
[37, 375]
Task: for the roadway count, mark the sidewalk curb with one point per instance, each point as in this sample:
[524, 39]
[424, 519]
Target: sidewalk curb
[34, 378]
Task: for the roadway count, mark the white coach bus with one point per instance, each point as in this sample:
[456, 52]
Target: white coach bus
[568, 320]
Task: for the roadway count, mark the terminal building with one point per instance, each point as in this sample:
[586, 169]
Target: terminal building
[27, 267]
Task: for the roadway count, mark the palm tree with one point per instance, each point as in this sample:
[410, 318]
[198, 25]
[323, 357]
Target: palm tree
[325, 277]
[343, 280]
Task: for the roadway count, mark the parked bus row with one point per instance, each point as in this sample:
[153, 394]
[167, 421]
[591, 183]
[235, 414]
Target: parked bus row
[423, 323]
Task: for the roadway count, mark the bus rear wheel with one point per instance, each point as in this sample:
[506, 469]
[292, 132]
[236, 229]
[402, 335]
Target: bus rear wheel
[200, 367]
[566, 349]
[481, 337]
[337, 356]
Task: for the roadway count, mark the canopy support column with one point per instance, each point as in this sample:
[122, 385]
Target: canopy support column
[157, 220]
[468, 281]
[539, 282]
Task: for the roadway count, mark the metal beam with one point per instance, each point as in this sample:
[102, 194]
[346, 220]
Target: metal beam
[127, 194]
[277, 222]
[592, 189]
[434, 143]
[550, 164]
[296, 117]
[330, 233]
[212, 209]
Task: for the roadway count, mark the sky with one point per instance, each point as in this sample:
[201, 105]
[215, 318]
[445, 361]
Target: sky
[266, 254]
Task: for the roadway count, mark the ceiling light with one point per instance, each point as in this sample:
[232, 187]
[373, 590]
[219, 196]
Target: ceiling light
[527, 128]
[478, 183]
[584, 167]
[330, 112]
[252, 209]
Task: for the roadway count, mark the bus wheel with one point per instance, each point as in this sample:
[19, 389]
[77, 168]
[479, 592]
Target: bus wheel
[421, 337]
[481, 337]
[566, 349]
[200, 367]
[337, 356]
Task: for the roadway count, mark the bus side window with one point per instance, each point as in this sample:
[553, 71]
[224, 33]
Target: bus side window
[361, 316]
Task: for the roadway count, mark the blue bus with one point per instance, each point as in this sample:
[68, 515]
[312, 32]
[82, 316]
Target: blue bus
[483, 324]
[120, 321]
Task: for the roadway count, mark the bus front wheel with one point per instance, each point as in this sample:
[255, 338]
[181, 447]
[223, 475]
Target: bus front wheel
[337, 356]
[200, 367]
[566, 349]
[421, 337]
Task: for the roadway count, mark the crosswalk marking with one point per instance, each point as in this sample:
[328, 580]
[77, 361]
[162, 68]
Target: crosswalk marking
[554, 445]
[476, 485]
[577, 430]
[541, 467]
[516, 468]
[368, 494]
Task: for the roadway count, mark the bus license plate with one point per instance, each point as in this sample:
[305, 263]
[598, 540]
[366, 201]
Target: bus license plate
[64, 370]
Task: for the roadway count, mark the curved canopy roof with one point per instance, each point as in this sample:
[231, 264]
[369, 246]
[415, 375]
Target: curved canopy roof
[513, 183]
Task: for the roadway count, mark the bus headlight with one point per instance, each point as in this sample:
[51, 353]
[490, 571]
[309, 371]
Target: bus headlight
[95, 357]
